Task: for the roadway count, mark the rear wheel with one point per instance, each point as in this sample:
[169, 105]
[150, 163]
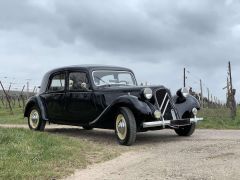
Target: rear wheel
[125, 127]
[186, 130]
[35, 121]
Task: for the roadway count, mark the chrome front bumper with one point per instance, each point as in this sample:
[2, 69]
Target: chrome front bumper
[171, 123]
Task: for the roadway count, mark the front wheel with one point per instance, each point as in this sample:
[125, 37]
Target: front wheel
[186, 130]
[35, 121]
[125, 127]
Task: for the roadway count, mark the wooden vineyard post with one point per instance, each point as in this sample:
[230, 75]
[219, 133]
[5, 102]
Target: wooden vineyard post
[9, 104]
[22, 97]
[232, 93]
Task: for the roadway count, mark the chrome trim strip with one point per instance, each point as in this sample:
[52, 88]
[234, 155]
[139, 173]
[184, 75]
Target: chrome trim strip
[166, 122]
[154, 124]
[160, 108]
[95, 120]
[165, 107]
[173, 114]
[196, 119]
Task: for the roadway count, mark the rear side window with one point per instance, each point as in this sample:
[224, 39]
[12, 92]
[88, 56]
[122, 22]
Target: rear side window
[57, 83]
[76, 79]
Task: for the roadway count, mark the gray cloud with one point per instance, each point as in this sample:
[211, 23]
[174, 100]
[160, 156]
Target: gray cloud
[202, 35]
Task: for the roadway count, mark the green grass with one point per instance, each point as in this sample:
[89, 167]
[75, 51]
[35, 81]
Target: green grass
[26, 154]
[219, 119]
[7, 118]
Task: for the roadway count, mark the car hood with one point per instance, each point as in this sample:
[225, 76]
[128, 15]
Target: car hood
[109, 94]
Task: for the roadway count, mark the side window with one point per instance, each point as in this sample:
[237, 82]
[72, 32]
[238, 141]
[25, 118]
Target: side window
[57, 83]
[78, 81]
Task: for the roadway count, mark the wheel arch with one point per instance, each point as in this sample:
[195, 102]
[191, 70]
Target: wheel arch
[139, 108]
[185, 108]
[35, 101]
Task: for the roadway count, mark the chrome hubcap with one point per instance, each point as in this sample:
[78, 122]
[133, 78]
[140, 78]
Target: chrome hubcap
[34, 119]
[121, 127]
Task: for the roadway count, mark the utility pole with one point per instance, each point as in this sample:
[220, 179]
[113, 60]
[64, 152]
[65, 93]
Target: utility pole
[184, 77]
[208, 97]
[201, 93]
[228, 93]
[230, 76]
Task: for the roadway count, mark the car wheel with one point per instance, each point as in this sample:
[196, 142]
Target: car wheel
[87, 127]
[186, 130]
[125, 127]
[35, 121]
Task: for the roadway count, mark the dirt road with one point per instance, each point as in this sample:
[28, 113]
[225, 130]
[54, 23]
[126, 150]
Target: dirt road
[208, 154]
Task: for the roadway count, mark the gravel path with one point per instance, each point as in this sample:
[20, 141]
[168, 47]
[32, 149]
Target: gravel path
[208, 154]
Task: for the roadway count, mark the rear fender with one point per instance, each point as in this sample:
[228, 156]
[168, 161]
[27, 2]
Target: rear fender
[35, 101]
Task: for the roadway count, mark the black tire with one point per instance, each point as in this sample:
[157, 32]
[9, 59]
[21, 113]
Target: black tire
[130, 128]
[87, 127]
[38, 125]
[186, 130]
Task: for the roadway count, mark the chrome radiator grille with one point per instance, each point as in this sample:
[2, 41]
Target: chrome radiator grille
[164, 103]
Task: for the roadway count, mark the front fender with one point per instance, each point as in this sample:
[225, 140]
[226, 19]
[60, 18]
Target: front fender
[139, 108]
[35, 101]
[186, 106]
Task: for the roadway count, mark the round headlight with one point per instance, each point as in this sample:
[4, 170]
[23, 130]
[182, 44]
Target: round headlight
[147, 92]
[194, 111]
[185, 92]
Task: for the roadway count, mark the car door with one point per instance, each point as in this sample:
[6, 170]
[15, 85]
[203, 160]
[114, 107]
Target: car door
[54, 98]
[79, 98]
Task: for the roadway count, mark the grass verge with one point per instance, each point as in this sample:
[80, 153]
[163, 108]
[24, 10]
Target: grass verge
[7, 118]
[26, 154]
[219, 119]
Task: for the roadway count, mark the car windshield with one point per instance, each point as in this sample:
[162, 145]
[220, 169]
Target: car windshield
[113, 78]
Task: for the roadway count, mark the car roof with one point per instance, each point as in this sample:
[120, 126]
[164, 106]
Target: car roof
[89, 67]
[86, 67]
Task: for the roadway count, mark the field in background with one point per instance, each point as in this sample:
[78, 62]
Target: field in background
[26, 154]
[16, 118]
[219, 118]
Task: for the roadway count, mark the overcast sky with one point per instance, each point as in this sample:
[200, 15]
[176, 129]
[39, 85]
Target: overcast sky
[156, 39]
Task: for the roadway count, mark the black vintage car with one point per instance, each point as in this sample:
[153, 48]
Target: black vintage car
[110, 98]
